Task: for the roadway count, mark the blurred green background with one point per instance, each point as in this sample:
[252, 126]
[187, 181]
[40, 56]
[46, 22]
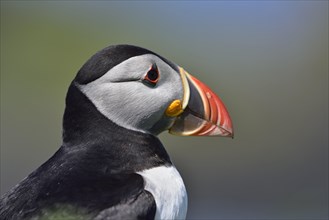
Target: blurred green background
[267, 60]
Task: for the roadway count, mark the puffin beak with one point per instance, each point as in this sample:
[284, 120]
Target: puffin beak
[203, 113]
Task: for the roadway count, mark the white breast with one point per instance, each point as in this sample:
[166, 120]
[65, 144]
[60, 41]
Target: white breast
[168, 190]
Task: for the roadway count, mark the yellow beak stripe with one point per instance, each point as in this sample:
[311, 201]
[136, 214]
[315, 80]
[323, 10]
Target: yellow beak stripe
[174, 109]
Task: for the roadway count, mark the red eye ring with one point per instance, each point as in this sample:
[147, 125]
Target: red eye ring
[152, 76]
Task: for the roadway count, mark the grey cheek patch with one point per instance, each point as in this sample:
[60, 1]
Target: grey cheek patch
[125, 100]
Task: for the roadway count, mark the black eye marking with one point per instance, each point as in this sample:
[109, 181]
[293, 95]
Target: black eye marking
[152, 76]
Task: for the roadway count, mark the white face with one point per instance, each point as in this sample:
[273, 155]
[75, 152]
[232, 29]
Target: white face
[122, 95]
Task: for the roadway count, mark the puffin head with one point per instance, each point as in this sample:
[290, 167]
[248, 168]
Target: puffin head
[142, 91]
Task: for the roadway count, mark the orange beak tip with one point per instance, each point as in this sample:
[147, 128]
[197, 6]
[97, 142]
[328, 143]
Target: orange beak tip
[204, 112]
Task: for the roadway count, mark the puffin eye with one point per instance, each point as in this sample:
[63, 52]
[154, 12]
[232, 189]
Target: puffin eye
[152, 76]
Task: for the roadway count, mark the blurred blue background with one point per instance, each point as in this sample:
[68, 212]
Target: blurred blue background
[267, 60]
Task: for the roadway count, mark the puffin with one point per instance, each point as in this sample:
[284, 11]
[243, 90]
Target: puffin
[111, 165]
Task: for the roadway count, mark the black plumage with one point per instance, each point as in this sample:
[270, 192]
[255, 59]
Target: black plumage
[93, 173]
[107, 58]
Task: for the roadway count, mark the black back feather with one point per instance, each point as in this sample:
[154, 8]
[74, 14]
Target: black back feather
[94, 171]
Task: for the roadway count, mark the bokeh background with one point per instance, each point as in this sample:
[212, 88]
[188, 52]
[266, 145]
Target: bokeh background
[267, 60]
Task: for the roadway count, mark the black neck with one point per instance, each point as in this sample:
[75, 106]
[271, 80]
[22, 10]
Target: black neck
[86, 131]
